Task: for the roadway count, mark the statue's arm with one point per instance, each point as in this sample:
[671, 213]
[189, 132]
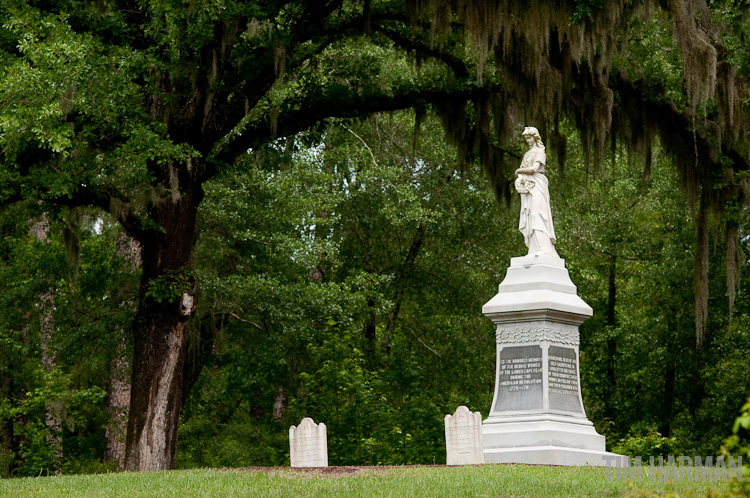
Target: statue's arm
[537, 162]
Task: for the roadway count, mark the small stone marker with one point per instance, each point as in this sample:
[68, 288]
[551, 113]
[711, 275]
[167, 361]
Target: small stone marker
[463, 437]
[308, 444]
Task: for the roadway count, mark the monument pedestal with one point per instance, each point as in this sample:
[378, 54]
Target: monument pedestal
[537, 414]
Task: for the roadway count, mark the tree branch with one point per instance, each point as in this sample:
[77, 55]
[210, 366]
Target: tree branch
[455, 63]
[679, 129]
[86, 197]
[403, 271]
[306, 111]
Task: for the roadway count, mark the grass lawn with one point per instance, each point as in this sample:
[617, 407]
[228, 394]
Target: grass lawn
[407, 482]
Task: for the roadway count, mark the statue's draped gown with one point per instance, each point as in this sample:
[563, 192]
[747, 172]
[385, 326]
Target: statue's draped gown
[535, 222]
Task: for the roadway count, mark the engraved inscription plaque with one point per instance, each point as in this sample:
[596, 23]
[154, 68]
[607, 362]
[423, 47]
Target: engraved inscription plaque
[563, 380]
[519, 384]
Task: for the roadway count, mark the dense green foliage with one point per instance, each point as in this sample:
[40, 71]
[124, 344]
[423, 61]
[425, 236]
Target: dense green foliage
[359, 306]
[91, 307]
[384, 399]
[631, 242]
[339, 271]
[343, 276]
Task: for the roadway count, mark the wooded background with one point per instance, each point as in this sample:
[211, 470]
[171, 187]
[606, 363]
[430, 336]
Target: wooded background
[220, 217]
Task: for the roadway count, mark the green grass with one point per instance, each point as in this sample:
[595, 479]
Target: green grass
[396, 482]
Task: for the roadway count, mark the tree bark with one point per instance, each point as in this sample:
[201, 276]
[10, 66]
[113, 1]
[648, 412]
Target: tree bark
[701, 272]
[611, 340]
[49, 361]
[118, 385]
[279, 406]
[46, 303]
[167, 301]
[118, 405]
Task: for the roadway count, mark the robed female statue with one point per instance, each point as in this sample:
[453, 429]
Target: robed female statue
[531, 182]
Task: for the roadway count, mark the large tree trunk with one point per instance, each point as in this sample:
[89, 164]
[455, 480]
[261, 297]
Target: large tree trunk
[167, 301]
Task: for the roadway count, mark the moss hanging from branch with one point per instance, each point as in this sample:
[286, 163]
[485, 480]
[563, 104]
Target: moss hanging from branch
[553, 59]
[691, 30]
[550, 65]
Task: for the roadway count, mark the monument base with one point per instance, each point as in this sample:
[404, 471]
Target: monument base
[545, 440]
[537, 414]
[554, 455]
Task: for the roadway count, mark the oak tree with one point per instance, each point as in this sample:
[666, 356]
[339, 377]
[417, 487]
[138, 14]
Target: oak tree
[130, 106]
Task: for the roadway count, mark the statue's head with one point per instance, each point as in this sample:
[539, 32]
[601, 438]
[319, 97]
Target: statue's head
[532, 132]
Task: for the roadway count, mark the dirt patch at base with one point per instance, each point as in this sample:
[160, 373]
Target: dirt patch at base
[335, 471]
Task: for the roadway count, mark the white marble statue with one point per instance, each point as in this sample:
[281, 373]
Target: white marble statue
[536, 217]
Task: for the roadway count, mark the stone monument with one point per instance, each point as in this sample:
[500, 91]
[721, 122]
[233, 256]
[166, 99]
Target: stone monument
[308, 444]
[537, 414]
[463, 438]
